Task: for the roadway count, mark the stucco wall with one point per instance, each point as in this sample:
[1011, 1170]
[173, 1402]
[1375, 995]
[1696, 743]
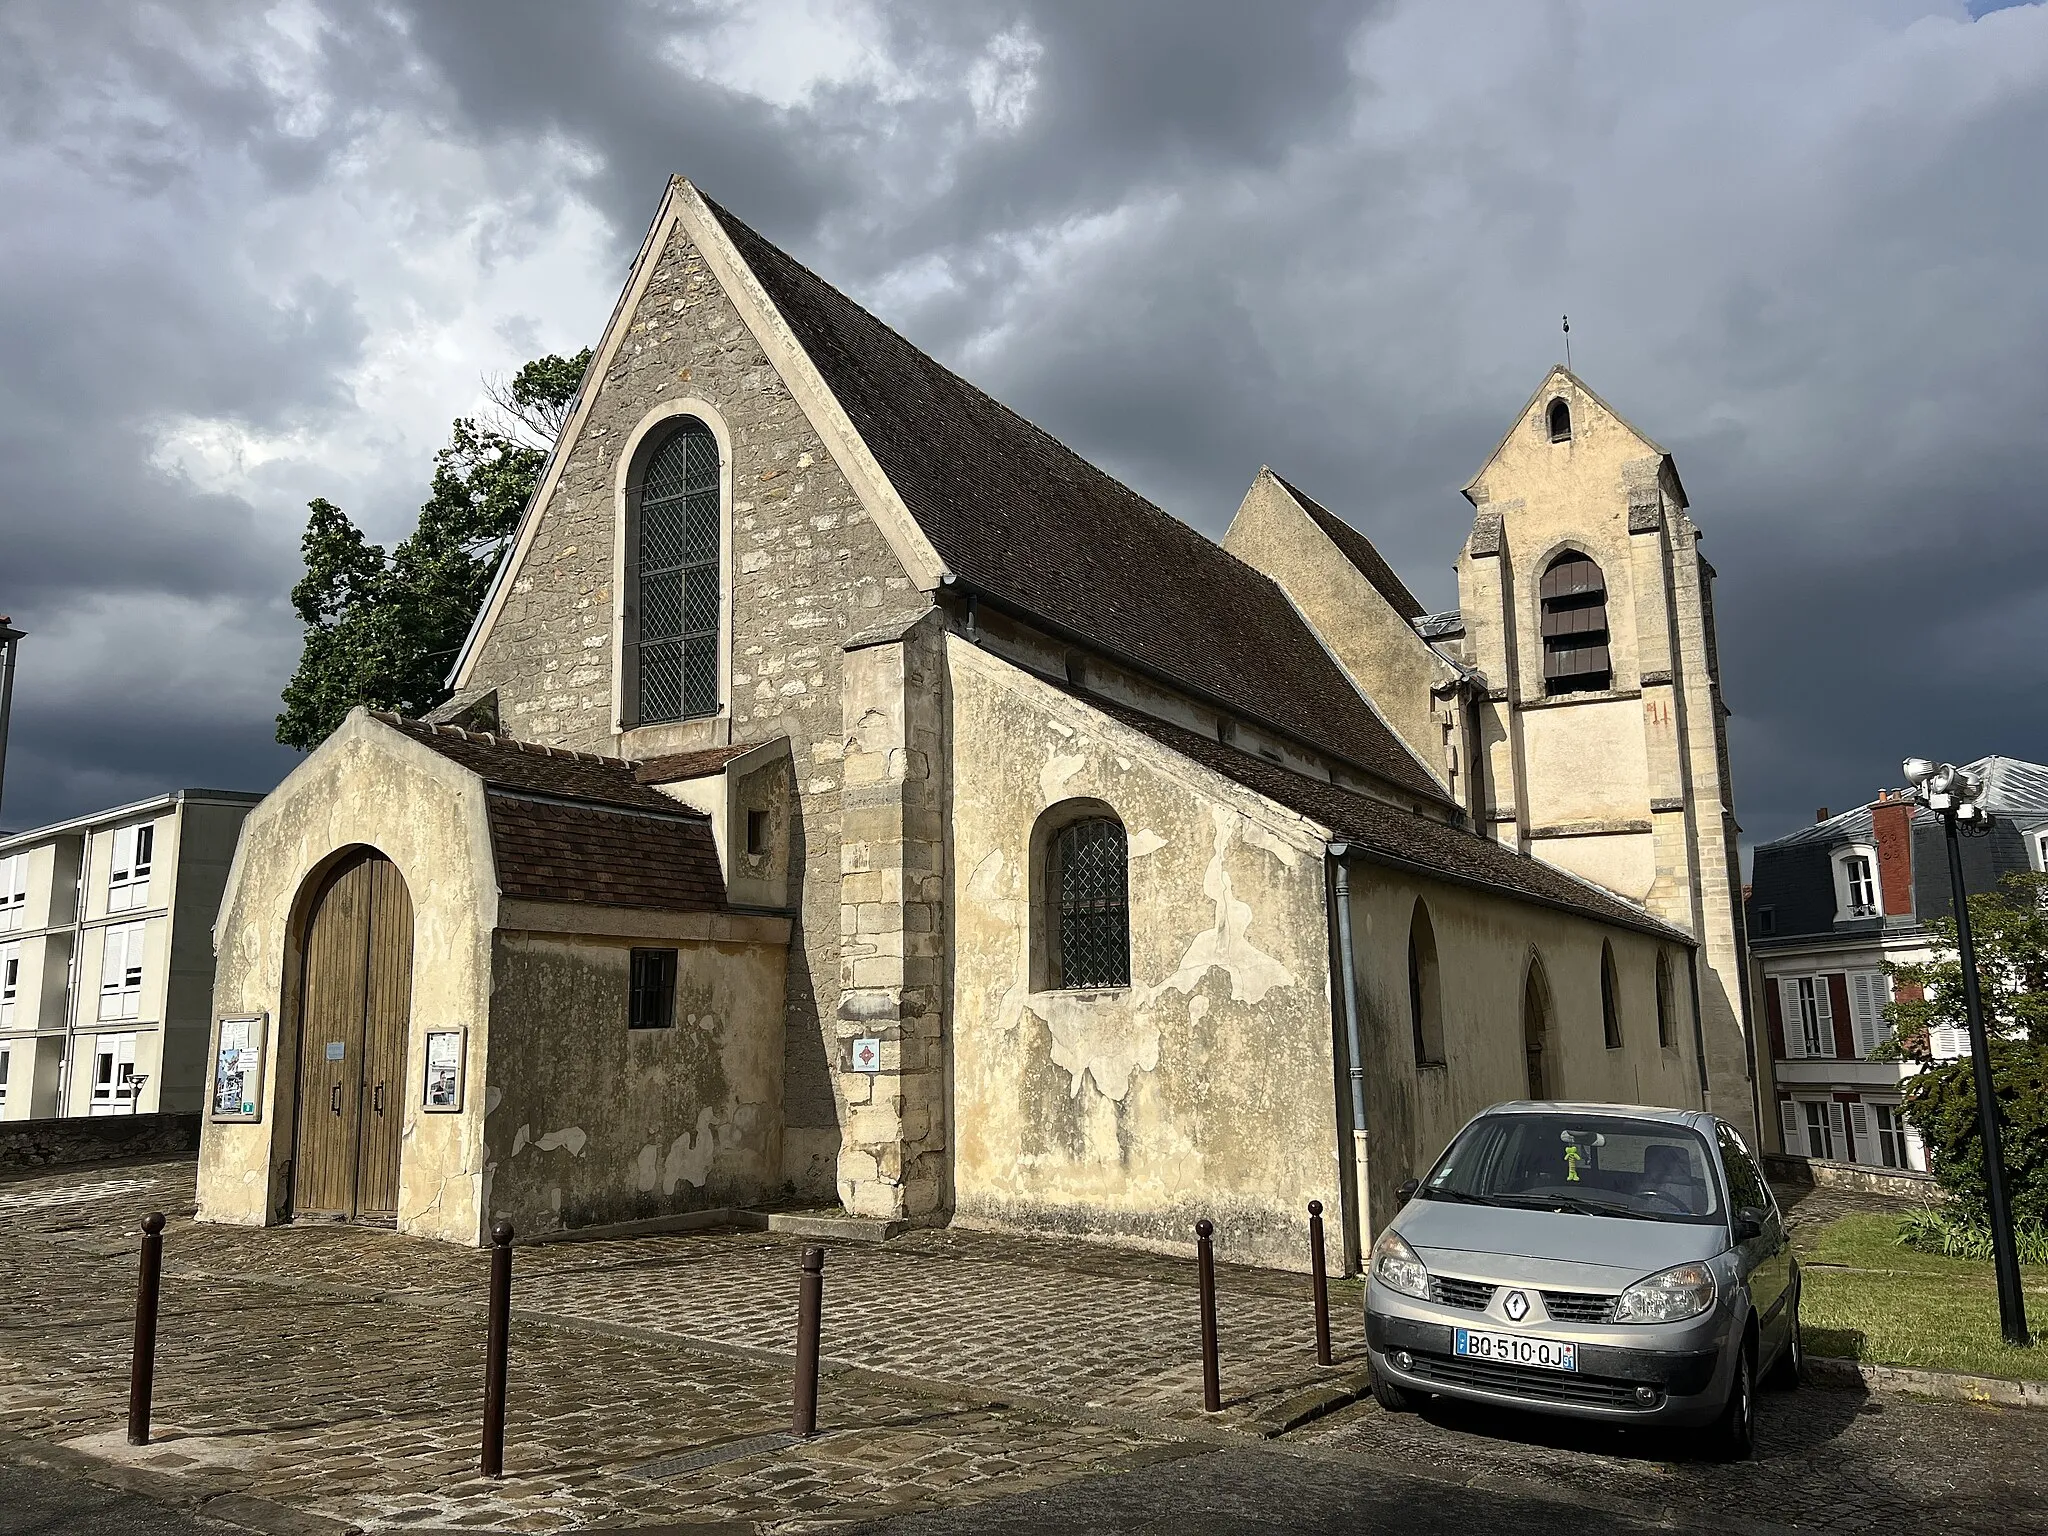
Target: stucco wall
[367, 785]
[1205, 1088]
[593, 1122]
[1484, 946]
[807, 569]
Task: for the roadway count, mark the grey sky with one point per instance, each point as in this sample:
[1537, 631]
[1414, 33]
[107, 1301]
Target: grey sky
[254, 254]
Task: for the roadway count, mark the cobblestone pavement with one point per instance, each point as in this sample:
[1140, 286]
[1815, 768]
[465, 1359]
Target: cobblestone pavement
[337, 1370]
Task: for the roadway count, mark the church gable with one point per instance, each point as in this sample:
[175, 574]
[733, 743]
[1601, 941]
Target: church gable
[792, 559]
[1568, 435]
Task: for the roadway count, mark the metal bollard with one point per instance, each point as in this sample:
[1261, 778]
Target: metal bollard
[142, 1367]
[810, 1310]
[1205, 1271]
[496, 1343]
[1320, 1270]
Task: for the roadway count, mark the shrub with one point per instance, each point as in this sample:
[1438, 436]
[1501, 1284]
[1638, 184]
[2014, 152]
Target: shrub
[1941, 1102]
[1958, 1236]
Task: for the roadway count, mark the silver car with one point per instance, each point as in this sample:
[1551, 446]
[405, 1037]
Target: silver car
[1606, 1261]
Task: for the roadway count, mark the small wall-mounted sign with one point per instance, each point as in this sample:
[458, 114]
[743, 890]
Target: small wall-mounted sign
[336, 1050]
[238, 1068]
[443, 1092]
[867, 1054]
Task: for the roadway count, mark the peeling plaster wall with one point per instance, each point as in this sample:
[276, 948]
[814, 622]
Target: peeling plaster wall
[366, 785]
[1484, 944]
[592, 1122]
[1205, 1088]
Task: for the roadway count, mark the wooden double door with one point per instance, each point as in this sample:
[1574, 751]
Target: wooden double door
[354, 1008]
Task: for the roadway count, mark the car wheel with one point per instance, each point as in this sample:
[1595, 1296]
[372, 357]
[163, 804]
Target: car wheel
[1390, 1397]
[1789, 1369]
[1737, 1429]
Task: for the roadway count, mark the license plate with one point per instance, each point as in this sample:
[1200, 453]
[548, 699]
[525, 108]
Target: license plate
[1516, 1349]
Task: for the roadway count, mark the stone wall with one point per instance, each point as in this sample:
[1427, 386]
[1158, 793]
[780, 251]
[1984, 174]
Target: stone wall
[1820, 1173]
[96, 1139]
[807, 569]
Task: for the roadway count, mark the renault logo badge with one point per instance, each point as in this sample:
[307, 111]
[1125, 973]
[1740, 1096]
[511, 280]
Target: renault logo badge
[1516, 1306]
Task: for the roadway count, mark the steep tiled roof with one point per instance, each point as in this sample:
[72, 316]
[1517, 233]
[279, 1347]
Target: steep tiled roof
[677, 766]
[550, 851]
[1030, 524]
[1388, 834]
[574, 826]
[530, 767]
[1358, 549]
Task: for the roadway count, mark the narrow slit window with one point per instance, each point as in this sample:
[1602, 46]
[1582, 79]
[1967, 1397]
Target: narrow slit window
[1610, 999]
[1090, 886]
[1574, 611]
[677, 568]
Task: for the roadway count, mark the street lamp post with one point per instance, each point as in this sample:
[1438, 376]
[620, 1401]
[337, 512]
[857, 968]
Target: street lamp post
[1952, 795]
[10, 641]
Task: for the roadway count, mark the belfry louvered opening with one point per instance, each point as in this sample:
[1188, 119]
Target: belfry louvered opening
[1575, 655]
[676, 563]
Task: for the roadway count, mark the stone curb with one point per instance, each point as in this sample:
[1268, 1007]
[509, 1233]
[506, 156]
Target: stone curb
[1306, 1407]
[1948, 1386]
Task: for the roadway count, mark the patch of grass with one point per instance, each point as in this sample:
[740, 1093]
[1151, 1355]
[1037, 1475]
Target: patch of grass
[1869, 1298]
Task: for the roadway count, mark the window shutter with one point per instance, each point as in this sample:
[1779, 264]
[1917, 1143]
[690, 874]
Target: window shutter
[1795, 1136]
[1795, 1020]
[1838, 1135]
[1865, 1148]
[1916, 1151]
[1824, 1011]
[1866, 1003]
[123, 862]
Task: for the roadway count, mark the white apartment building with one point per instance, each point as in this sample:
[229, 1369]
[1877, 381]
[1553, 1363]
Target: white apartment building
[106, 955]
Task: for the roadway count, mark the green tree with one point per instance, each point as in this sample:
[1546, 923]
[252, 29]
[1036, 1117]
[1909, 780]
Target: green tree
[382, 629]
[2009, 927]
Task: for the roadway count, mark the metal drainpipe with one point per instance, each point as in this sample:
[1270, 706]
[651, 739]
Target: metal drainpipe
[1354, 1045]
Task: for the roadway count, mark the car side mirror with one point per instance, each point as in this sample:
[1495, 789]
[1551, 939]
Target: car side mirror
[1405, 1190]
[1748, 1225]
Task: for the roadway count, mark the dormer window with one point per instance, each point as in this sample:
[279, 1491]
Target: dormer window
[1856, 892]
[1560, 421]
[1575, 658]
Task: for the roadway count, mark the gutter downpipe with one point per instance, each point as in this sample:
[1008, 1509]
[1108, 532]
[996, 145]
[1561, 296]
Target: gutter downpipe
[1354, 1049]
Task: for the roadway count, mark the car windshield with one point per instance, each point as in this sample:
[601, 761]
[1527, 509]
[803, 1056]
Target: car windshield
[1595, 1165]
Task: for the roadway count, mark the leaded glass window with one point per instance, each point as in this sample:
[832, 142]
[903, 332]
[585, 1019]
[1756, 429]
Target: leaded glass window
[677, 562]
[1088, 882]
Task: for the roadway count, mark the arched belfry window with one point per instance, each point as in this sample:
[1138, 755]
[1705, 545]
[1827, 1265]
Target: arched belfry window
[1425, 998]
[1086, 908]
[1575, 658]
[675, 577]
[1560, 421]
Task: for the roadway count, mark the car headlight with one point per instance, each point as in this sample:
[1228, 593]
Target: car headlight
[1397, 1268]
[1685, 1290]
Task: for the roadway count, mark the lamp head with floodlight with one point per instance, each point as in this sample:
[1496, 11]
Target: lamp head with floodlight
[1918, 770]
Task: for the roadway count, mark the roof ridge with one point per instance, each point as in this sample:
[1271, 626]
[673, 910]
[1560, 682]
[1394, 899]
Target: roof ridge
[493, 739]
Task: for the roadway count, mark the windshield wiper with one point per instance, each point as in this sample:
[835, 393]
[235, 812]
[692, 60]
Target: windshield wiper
[1453, 1194]
[1570, 1203]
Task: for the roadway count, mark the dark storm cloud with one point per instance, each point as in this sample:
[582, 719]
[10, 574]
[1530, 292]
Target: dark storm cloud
[1800, 246]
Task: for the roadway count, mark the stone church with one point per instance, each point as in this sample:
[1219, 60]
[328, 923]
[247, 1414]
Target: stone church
[849, 795]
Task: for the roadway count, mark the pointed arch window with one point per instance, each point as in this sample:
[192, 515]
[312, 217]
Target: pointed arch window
[1574, 605]
[1667, 1004]
[1560, 421]
[1610, 999]
[676, 578]
[1425, 998]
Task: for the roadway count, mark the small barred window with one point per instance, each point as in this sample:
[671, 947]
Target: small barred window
[652, 1000]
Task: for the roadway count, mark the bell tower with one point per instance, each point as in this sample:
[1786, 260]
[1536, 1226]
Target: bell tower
[1588, 609]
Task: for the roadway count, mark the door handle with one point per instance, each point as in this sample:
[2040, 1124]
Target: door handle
[377, 1098]
[334, 1103]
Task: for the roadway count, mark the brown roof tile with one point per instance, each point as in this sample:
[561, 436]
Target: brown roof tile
[1388, 834]
[678, 766]
[549, 851]
[1030, 524]
[535, 769]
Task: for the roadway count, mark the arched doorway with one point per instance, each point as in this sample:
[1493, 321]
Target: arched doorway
[355, 1001]
[1536, 1032]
